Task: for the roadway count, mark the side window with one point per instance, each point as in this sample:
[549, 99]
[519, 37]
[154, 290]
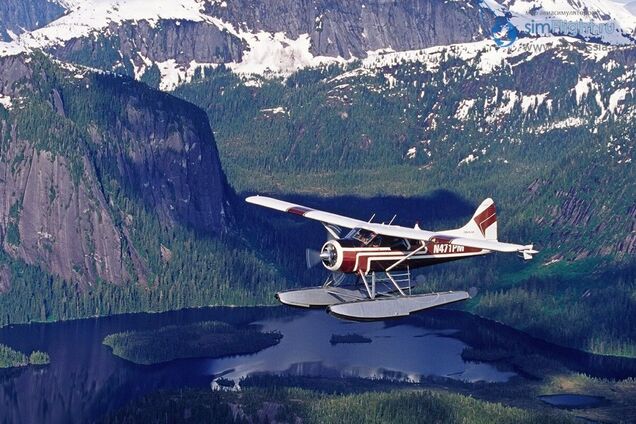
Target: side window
[376, 242]
[400, 244]
[362, 235]
[395, 243]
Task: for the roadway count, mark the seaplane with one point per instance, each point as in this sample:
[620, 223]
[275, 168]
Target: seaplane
[380, 258]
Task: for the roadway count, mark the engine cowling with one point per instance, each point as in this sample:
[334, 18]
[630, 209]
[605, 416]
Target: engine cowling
[331, 255]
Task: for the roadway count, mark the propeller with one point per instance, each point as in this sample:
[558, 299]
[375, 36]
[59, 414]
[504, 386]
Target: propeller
[328, 254]
[337, 277]
[312, 257]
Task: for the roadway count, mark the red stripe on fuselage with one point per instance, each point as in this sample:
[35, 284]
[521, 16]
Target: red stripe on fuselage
[348, 261]
[370, 259]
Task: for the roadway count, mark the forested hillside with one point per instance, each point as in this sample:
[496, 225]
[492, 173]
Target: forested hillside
[112, 200]
[400, 128]
[551, 140]
[293, 405]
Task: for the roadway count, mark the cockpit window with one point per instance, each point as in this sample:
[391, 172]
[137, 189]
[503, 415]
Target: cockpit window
[362, 235]
[369, 238]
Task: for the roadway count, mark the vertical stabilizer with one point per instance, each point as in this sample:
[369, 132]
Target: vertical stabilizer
[483, 224]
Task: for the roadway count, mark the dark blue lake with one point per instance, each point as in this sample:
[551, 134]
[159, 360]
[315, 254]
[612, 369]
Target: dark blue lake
[85, 380]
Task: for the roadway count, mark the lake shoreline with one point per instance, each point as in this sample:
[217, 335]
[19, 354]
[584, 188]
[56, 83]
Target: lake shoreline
[426, 348]
[276, 305]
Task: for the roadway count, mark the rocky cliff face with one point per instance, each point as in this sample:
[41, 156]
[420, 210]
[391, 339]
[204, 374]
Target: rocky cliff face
[16, 16]
[142, 44]
[51, 221]
[260, 36]
[75, 143]
[353, 28]
[165, 153]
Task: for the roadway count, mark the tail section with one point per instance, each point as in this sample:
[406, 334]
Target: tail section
[484, 221]
[483, 224]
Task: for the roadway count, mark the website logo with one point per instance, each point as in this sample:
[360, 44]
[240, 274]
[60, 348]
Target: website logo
[504, 32]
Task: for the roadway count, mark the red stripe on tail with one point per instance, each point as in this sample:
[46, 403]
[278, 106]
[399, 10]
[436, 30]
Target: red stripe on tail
[486, 219]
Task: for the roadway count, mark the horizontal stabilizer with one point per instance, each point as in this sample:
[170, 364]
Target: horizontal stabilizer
[528, 252]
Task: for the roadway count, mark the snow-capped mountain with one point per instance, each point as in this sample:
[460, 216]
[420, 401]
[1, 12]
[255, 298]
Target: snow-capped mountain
[608, 21]
[18, 16]
[180, 37]
[176, 39]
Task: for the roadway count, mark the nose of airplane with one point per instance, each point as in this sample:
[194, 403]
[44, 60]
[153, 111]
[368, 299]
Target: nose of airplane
[331, 255]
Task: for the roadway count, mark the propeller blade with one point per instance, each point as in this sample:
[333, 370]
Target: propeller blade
[337, 277]
[333, 231]
[312, 257]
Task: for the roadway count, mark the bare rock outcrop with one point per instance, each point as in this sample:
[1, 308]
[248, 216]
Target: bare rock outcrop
[58, 170]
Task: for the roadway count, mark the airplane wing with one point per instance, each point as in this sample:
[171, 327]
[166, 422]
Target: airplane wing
[325, 217]
[389, 230]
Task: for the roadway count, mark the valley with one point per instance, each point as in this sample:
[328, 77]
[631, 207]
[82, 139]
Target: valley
[131, 132]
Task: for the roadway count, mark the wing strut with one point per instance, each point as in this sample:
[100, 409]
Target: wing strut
[394, 283]
[405, 258]
[370, 291]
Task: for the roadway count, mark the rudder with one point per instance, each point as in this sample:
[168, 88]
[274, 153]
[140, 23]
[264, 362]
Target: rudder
[484, 221]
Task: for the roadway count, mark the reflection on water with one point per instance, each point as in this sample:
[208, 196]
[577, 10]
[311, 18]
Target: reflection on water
[400, 352]
[85, 381]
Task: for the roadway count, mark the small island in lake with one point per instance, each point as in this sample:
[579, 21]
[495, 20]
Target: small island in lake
[10, 358]
[211, 339]
[348, 338]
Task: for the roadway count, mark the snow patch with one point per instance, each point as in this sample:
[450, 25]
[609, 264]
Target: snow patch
[485, 55]
[532, 101]
[506, 105]
[468, 159]
[464, 108]
[277, 55]
[552, 261]
[410, 154]
[582, 88]
[275, 110]
[570, 122]
[10, 49]
[89, 16]
[599, 102]
[6, 101]
[617, 97]
[173, 74]
[610, 65]
[391, 80]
